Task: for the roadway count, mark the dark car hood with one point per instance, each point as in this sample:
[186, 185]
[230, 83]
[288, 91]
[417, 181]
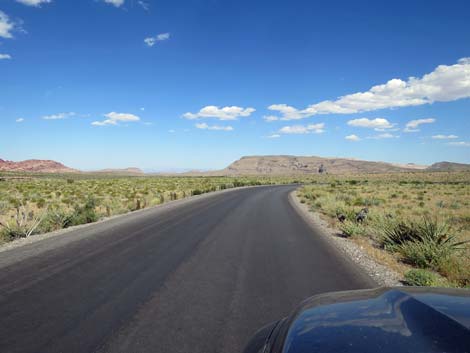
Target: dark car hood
[381, 320]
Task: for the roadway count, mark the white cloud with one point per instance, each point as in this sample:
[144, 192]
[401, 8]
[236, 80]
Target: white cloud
[352, 137]
[6, 26]
[273, 136]
[270, 118]
[5, 56]
[225, 113]
[19, 120]
[163, 36]
[287, 112]
[460, 143]
[116, 3]
[444, 137]
[412, 126]
[302, 129]
[151, 41]
[36, 3]
[445, 83]
[378, 124]
[204, 126]
[59, 116]
[144, 5]
[114, 118]
[385, 135]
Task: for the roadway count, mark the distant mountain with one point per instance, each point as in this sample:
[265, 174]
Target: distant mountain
[35, 165]
[255, 165]
[131, 170]
[48, 166]
[299, 165]
[449, 167]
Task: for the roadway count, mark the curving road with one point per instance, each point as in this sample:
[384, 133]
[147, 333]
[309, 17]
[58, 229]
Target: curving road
[197, 275]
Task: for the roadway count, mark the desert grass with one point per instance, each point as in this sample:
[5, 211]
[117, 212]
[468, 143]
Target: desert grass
[38, 203]
[423, 219]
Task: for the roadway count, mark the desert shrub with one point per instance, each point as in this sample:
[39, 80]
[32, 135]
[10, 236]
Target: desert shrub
[425, 254]
[86, 213]
[393, 233]
[368, 202]
[24, 224]
[425, 244]
[352, 229]
[420, 277]
[55, 220]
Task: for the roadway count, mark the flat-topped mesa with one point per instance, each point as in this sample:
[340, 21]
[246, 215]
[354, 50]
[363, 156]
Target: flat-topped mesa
[304, 165]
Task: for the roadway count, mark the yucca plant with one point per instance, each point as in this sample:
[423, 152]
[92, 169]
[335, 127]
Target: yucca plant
[394, 233]
[433, 246]
[24, 223]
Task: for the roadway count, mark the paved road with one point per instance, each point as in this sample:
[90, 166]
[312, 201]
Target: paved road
[196, 276]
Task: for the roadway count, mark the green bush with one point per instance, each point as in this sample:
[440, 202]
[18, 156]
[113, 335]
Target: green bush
[352, 229]
[425, 244]
[393, 233]
[419, 277]
[85, 214]
[56, 220]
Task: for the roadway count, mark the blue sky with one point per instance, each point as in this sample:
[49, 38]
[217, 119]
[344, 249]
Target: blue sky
[199, 83]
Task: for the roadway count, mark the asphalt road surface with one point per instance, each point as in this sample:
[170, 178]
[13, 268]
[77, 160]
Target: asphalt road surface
[199, 275]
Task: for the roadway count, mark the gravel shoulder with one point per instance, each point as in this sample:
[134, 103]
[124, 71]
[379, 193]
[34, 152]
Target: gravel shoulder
[380, 273]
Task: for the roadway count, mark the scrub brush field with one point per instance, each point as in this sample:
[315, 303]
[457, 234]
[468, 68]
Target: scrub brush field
[39, 203]
[420, 219]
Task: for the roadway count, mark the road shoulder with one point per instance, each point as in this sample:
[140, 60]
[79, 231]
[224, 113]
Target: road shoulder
[381, 274]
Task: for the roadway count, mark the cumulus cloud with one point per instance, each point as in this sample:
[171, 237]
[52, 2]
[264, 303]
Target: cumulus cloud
[385, 135]
[225, 113]
[352, 138]
[270, 118]
[444, 137]
[460, 143]
[6, 26]
[151, 41]
[413, 125]
[19, 120]
[204, 126]
[445, 83]
[5, 56]
[114, 118]
[116, 3]
[59, 116]
[36, 3]
[378, 124]
[302, 129]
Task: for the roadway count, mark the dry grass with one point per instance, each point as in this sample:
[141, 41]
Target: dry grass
[413, 198]
[60, 201]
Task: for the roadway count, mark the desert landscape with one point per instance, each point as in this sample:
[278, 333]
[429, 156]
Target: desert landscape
[417, 216]
[234, 176]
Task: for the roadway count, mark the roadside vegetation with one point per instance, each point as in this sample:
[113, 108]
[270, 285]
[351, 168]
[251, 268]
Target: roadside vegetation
[418, 223]
[420, 220]
[39, 203]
